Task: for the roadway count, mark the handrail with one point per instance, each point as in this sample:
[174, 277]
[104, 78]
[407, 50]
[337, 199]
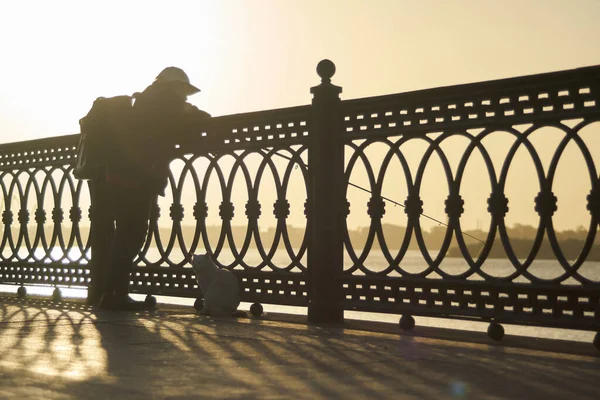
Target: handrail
[483, 88]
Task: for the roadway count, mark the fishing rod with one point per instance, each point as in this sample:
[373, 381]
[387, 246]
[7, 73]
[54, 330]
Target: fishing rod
[391, 201]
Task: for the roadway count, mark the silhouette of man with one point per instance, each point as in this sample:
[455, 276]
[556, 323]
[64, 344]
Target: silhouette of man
[161, 118]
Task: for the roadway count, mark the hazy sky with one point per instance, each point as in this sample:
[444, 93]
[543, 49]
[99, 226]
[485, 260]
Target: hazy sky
[58, 56]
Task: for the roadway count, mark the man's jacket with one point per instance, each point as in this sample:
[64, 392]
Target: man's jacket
[160, 119]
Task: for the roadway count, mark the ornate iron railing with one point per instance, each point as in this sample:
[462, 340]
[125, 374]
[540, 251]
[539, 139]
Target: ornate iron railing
[250, 144]
[304, 161]
[520, 107]
[37, 180]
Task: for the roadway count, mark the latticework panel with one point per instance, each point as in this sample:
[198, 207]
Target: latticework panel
[243, 202]
[266, 287]
[235, 193]
[45, 274]
[421, 156]
[39, 153]
[262, 129]
[506, 102]
[45, 210]
[547, 305]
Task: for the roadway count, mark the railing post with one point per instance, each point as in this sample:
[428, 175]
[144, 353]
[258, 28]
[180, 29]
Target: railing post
[326, 200]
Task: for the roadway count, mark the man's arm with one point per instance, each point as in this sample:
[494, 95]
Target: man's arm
[192, 123]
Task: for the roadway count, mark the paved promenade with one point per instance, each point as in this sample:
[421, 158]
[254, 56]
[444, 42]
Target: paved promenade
[71, 351]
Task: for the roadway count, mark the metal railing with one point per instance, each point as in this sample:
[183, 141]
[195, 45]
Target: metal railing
[303, 162]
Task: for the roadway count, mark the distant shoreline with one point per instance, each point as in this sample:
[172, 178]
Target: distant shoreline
[571, 248]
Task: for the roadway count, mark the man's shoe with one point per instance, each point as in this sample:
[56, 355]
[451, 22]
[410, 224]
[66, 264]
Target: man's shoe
[126, 303]
[111, 301]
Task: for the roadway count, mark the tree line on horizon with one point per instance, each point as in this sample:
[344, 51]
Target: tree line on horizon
[521, 239]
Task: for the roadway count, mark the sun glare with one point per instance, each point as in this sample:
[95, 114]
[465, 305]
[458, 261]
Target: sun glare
[65, 55]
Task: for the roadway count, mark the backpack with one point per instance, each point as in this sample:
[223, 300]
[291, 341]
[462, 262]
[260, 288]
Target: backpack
[102, 129]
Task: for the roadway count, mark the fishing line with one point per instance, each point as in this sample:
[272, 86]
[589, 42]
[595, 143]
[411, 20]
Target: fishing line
[393, 202]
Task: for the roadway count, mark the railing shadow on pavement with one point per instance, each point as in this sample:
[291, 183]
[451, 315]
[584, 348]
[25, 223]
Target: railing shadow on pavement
[73, 349]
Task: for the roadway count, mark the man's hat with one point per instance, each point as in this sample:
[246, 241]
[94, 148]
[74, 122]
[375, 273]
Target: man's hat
[177, 76]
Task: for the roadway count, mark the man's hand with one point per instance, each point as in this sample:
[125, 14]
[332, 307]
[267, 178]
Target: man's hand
[195, 112]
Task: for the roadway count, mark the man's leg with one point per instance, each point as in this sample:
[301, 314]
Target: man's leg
[101, 240]
[131, 210]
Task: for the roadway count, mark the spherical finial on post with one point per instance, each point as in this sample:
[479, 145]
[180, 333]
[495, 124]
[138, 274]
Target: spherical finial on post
[326, 69]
